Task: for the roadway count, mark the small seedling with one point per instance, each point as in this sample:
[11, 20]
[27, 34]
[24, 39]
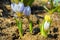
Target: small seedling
[19, 24]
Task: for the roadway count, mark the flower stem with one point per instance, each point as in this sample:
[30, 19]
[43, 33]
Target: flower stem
[30, 27]
[19, 24]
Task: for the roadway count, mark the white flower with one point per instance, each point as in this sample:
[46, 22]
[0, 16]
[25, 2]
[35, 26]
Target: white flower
[46, 25]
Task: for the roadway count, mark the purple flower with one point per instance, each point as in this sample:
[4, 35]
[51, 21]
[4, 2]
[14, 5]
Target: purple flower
[17, 7]
[27, 11]
[21, 7]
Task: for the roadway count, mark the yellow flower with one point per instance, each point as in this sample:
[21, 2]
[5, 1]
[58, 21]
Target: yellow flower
[47, 18]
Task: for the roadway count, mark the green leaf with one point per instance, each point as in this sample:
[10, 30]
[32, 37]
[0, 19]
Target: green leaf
[46, 8]
[19, 24]
[20, 28]
[30, 27]
[43, 32]
[53, 10]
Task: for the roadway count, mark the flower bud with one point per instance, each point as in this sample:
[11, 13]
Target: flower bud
[27, 11]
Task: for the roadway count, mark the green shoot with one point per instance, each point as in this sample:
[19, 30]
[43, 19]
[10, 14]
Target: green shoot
[19, 24]
[30, 27]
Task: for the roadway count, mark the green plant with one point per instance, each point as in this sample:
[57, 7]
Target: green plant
[52, 10]
[44, 27]
[55, 5]
[30, 27]
[27, 12]
[58, 5]
[19, 24]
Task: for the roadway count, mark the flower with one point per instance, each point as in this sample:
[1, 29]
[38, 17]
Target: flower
[27, 11]
[47, 18]
[17, 7]
[47, 22]
[46, 25]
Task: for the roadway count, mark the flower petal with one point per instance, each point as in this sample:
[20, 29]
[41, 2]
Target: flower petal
[27, 11]
[46, 25]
